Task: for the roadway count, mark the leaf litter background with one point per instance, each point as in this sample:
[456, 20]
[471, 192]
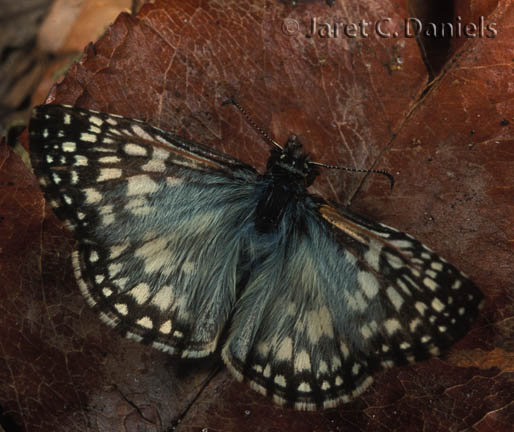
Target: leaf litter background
[444, 129]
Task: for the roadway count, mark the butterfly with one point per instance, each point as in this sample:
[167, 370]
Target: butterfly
[189, 250]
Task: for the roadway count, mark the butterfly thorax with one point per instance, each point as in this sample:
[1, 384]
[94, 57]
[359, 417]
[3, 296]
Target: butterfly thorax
[289, 173]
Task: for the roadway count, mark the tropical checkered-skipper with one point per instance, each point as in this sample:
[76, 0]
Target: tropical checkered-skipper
[177, 242]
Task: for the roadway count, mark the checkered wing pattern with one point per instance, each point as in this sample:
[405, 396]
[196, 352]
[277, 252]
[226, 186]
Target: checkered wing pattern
[313, 329]
[169, 252]
[149, 210]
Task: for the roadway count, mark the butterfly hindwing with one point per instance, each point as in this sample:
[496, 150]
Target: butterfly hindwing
[376, 298]
[296, 345]
[149, 210]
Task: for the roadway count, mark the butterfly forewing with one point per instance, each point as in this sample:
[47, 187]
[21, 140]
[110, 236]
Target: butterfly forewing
[144, 206]
[170, 251]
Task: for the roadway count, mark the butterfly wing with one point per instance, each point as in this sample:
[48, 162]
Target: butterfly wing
[158, 219]
[337, 299]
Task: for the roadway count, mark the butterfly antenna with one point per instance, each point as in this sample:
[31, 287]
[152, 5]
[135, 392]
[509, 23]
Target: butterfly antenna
[250, 121]
[372, 171]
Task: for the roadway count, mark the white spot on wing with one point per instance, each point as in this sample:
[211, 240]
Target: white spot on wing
[401, 244]
[431, 273]
[121, 308]
[414, 324]
[109, 174]
[436, 265]
[304, 387]
[319, 323]
[344, 350]
[117, 250]
[121, 282]
[430, 284]
[80, 160]
[165, 328]
[356, 368]
[392, 326]
[437, 305]
[267, 371]
[173, 181]
[302, 362]
[160, 153]
[372, 256]
[365, 331]
[395, 298]
[421, 308]
[163, 298]
[92, 196]
[84, 136]
[145, 322]
[141, 293]
[368, 284]
[280, 380]
[109, 159]
[96, 120]
[156, 255]
[141, 185]
[352, 260]
[69, 146]
[394, 261]
[355, 302]
[154, 165]
[135, 150]
[285, 350]
[114, 269]
[403, 286]
[140, 132]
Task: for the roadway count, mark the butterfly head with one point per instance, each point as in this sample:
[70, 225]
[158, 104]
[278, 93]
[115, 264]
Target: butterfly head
[292, 163]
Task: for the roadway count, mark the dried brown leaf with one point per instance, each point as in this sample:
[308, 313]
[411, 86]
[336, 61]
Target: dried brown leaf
[354, 102]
